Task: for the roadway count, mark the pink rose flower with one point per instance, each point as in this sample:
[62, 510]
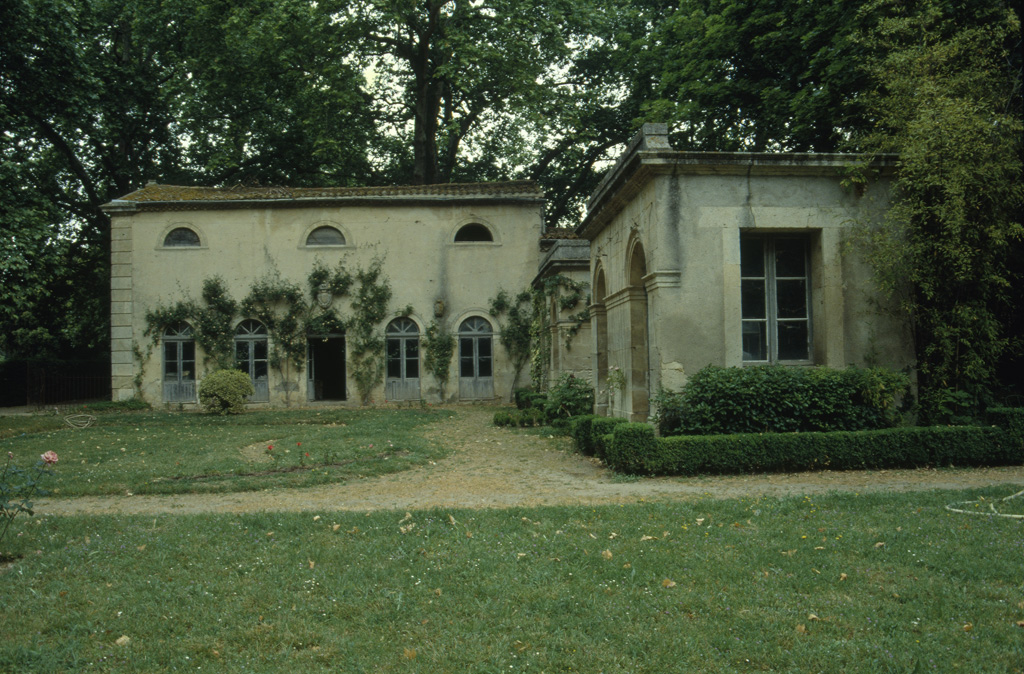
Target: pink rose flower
[49, 457]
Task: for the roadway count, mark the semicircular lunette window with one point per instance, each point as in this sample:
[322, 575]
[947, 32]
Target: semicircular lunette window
[473, 233]
[325, 236]
[181, 237]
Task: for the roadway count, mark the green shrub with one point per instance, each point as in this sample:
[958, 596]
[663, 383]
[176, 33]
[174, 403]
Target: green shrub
[601, 445]
[526, 398]
[225, 391]
[1010, 419]
[537, 400]
[633, 445]
[502, 418]
[600, 427]
[580, 432]
[537, 413]
[772, 398]
[521, 397]
[522, 418]
[914, 447]
[571, 396]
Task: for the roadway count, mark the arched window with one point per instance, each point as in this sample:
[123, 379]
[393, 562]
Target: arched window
[476, 362]
[179, 371]
[181, 237]
[403, 360]
[325, 236]
[473, 233]
[251, 356]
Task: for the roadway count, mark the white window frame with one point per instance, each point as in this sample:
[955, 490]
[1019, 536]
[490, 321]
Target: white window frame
[770, 280]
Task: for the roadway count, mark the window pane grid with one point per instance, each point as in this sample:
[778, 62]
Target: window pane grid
[774, 299]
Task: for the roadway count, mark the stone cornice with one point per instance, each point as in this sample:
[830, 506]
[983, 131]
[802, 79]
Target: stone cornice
[649, 155]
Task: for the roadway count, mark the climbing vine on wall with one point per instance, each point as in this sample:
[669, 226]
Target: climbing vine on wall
[540, 359]
[211, 321]
[438, 348]
[289, 315]
[337, 281]
[215, 321]
[526, 324]
[364, 338]
[568, 294]
[515, 334]
[280, 306]
[324, 319]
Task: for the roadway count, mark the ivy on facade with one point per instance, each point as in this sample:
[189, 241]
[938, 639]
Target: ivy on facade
[525, 331]
[438, 349]
[289, 316]
[364, 338]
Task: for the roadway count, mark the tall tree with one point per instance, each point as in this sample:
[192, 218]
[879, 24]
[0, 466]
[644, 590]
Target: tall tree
[759, 75]
[98, 96]
[948, 102]
[447, 73]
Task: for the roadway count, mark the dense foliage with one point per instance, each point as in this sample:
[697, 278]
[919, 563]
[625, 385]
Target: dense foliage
[289, 316]
[949, 103]
[225, 391]
[96, 98]
[569, 398]
[524, 324]
[364, 338]
[772, 398]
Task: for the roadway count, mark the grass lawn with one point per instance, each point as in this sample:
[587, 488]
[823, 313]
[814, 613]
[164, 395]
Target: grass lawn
[160, 452]
[884, 583]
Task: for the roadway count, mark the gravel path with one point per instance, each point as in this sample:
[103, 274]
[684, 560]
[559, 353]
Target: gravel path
[497, 468]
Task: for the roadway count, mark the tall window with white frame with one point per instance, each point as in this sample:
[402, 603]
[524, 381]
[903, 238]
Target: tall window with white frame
[179, 366]
[403, 360]
[775, 291]
[251, 357]
[476, 365]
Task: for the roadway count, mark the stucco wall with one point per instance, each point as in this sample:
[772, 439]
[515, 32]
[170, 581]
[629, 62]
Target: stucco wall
[241, 245]
[688, 225]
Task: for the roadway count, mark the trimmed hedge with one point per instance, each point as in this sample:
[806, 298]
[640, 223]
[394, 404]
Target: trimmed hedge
[587, 430]
[777, 399]
[530, 416]
[634, 449]
[1008, 418]
[633, 446]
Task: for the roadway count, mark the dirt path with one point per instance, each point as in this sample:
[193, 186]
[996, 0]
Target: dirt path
[496, 468]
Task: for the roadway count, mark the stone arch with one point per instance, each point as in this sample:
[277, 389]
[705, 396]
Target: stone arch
[638, 377]
[600, 325]
[474, 231]
[325, 234]
[181, 236]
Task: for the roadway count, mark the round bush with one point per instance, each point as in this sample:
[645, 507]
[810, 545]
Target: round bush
[225, 391]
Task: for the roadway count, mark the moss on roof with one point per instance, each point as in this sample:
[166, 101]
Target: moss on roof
[178, 193]
[560, 233]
